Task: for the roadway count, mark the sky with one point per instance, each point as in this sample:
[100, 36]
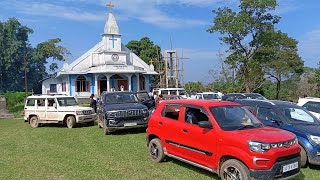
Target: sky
[181, 24]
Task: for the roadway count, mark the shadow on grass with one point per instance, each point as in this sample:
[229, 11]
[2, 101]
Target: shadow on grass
[193, 168]
[129, 131]
[60, 125]
[300, 177]
[314, 167]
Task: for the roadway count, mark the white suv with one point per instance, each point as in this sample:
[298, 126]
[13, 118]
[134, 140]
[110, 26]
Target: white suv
[64, 109]
[312, 104]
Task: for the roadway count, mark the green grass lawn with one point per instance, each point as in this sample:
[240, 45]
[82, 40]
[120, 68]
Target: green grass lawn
[56, 152]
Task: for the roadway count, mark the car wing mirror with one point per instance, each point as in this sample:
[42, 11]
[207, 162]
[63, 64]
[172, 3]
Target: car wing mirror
[205, 124]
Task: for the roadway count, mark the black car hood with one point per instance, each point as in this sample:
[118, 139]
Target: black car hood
[127, 106]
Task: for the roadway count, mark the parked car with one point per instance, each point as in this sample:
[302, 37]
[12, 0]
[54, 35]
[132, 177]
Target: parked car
[312, 104]
[171, 91]
[293, 118]
[121, 110]
[234, 96]
[44, 109]
[146, 100]
[208, 96]
[222, 137]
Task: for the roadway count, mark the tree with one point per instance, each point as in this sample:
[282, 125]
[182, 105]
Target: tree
[279, 57]
[15, 47]
[241, 31]
[149, 53]
[194, 87]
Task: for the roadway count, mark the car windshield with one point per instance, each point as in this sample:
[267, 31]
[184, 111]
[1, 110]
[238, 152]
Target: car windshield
[67, 101]
[211, 96]
[120, 98]
[143, 96]
[232, 118]
[298, 115]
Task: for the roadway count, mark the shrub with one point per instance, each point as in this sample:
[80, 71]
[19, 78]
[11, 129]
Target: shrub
[15, 101]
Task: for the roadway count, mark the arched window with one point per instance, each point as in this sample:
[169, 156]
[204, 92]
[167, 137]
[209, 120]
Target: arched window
[82, 85]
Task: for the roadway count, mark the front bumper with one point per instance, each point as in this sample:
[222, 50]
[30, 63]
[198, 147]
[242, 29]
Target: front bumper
[86, 118]
[276, 171]
[314, 155]
[126, 123]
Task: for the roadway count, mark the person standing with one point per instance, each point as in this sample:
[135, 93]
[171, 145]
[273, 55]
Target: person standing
[93, 103]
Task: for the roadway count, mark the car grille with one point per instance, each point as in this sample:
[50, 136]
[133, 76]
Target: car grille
[128, 113]
[87, 112]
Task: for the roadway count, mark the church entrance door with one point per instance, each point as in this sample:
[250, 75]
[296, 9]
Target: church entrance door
[102, 86]
[123, 83]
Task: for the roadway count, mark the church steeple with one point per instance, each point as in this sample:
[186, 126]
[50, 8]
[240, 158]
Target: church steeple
[111, 26]
[111, 36]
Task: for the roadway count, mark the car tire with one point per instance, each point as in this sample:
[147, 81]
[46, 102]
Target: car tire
[91, 123]
[234, 169]
[156, 150]
[304, 157]
[34, 122]
[71, 122]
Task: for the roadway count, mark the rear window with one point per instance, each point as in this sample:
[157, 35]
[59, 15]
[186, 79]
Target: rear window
[171, 111]
[31, 102]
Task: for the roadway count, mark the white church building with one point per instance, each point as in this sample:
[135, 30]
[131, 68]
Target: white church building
[107, 66]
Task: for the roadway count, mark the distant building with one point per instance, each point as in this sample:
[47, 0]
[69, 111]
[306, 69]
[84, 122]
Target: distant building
[107, 66]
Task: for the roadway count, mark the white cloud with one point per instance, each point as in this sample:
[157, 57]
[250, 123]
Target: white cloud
[309, 47]
[147, 11]
[286, 6]
[46, 9]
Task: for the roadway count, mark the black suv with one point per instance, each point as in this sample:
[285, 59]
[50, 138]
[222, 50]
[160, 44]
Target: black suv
[234, 96]
[121, 110]
[146, 100]
[293, 118]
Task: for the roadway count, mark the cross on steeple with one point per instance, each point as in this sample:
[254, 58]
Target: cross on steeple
[110, 5]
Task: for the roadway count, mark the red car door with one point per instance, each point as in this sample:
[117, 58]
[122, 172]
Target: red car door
[198, 144]
[169, 123]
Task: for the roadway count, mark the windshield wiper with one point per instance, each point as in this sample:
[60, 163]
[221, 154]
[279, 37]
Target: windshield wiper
[248, 126]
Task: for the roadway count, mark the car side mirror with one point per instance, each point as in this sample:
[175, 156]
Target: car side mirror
[55, 105]
[205, 124]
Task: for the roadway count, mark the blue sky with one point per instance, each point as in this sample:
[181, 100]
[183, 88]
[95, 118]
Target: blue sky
[79, 23]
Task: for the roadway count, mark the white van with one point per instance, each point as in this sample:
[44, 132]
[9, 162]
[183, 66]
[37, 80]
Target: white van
[171, 91]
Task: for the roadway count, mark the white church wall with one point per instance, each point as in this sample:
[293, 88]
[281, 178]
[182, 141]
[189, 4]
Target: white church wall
[52, 81]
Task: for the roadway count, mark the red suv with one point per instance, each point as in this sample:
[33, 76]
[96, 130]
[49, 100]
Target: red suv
[222, 137]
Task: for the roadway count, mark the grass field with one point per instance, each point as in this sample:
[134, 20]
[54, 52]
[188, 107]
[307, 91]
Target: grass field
[56, 152]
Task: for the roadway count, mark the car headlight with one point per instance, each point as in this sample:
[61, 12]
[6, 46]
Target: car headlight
[79, 112]
[145, 111]
[315, 139]
[258, 146]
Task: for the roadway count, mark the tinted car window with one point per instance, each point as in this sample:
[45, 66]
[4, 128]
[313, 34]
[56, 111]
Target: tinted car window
[251, 109]
[194, 115]
[31, 102]
[312, 106]
[234, 117]
[171, 111]
[267, 114]
[211, 96]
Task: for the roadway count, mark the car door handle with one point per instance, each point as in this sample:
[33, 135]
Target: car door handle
[184, 130]
[160, 122]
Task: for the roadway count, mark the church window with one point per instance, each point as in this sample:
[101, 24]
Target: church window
[82, 84]
[64, 85]
[53, 88]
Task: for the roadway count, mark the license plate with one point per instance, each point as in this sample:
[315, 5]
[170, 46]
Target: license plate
[290, 167]
[130, 124]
